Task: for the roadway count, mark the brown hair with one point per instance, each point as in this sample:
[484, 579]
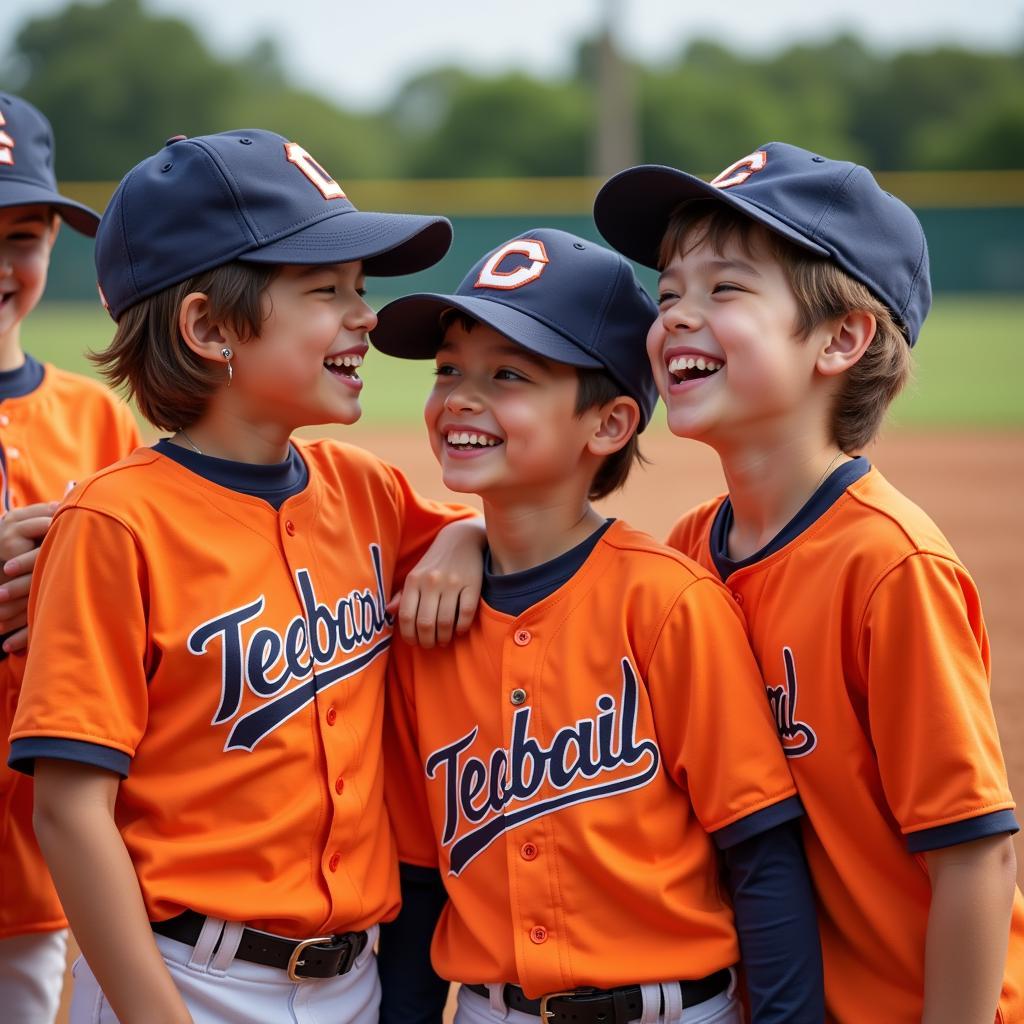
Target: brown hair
[822, 291]
[148, 357]
[595, 387]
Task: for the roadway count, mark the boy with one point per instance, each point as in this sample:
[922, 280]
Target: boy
[574, 762]
[791, 290]
[55, 427]
[204, 690]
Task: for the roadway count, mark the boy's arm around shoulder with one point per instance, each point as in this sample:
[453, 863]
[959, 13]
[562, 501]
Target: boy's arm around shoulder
[21, 532]
[439, 565]
[74, 823]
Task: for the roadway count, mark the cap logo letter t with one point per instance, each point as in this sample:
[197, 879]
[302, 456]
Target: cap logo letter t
[737, 173]
[491, 277]
[6, 144]
[329, 188]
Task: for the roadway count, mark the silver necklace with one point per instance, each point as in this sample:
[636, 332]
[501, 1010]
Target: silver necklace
[192, 444]
[828, 468]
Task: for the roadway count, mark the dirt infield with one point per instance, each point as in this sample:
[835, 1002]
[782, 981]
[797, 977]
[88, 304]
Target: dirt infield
[971, 483]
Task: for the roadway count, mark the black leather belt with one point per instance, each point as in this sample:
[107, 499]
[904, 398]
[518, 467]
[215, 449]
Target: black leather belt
[603, 1006]
[324, 957]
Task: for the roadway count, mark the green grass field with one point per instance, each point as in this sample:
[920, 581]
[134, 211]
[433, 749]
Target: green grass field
[986, 333]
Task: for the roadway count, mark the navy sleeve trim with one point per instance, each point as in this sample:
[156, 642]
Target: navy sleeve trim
[25, 752]
[994, 824]
[758, 822]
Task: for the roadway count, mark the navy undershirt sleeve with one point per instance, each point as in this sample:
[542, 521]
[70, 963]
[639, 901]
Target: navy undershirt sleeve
[777, 924]
[411, 993]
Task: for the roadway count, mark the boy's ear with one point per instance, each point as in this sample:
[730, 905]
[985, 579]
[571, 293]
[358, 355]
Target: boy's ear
[617, 423]
[55, 223]
[848, 339]
[205, 337]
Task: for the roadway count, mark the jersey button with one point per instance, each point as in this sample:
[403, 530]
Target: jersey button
[332, 715]
[517, 696]
[339, 785]
[289, 528]
[334, 861]
[529, 851]
[538, 934]
[4, 420]
[13, 453]
[737, 597]
[522, 637]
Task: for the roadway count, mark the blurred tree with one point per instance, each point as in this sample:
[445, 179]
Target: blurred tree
[116, 80]
[919, 97]
[508, 125]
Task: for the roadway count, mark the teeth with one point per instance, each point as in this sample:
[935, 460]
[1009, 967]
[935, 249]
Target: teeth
[466, 437]
[349, 360]
[680, 363]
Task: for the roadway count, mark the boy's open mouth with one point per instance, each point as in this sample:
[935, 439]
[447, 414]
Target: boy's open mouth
[343, 366]
[468, 440]
[685, 368]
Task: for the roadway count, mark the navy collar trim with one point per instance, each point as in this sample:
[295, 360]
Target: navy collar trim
[22, 381]
[827, 494]
[274, 484]
[514, 592]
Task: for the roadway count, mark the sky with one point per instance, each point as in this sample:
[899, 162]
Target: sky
[359, 53]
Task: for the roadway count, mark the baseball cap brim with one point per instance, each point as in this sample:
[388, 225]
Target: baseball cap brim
[77, 215]
[633, 208]
[410, 328]
[389, 244]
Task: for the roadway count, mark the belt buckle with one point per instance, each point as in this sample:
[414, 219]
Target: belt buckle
[545, 1013]
[300, 948]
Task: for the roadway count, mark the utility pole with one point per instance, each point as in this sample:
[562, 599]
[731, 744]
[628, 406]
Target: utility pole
[615, 145]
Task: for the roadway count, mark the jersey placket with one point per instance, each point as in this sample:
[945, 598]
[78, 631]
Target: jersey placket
[530, 850]
[295, 525]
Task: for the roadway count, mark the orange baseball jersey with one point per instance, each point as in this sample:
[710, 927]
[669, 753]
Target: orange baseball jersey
[576, 761]
[227, 659]
[870, 637]
[55, 428]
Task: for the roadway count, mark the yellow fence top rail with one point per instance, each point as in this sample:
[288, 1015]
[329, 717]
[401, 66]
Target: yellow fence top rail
[484, 197]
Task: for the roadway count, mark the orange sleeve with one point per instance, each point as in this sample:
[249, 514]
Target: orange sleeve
[712, 716]
[421, 519]
[85, 675]
[405, 791]
[924, 653]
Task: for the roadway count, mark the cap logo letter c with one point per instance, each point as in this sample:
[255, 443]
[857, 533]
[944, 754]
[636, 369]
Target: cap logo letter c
[328, 187]
[737, 173]
[6, 144]
[491, 277]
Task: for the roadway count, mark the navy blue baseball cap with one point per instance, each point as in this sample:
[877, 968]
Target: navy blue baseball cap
[26, 165]
[560, 296]
[248, 195]
[831, 208]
